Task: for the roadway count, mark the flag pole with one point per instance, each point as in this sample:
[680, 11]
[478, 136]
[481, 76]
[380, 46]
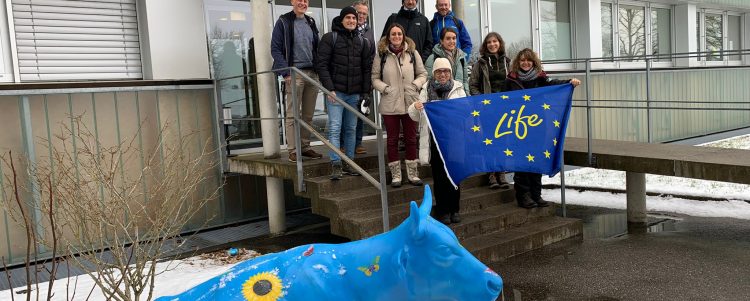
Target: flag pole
[562, 184]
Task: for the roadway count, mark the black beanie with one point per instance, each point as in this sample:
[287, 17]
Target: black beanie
[348, 10]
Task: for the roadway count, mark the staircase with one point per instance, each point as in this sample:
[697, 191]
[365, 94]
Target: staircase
[493, 227]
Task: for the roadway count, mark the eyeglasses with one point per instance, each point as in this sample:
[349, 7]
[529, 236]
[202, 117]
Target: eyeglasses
[363, 14]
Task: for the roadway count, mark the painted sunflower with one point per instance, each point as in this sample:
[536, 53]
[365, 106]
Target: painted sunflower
[262, 287]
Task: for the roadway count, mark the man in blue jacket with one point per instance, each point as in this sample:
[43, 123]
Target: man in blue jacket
[443, 18]
[294, 42]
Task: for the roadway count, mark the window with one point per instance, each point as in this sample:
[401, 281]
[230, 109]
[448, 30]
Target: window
[718, 32]
[661, 38]
[633, 31]
[76, 40]
[714, 37]
[607, 44]
[554, 16]
[512, 20]
[631, 34]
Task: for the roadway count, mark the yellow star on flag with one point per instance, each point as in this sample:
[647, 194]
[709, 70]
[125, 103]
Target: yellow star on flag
[557, 123]
[475, 128]
[504, 97]
[508, 152]
[526, 98]
[554, 141]
[530, 157]
[486, 101]
[547, 154]
[487, 141]
[475, 113]
[545, 106]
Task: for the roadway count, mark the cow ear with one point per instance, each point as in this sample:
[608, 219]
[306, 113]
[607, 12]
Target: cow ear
[426, 207]
[416, 221]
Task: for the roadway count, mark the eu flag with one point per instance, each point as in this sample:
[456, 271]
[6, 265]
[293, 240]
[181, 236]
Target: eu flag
[513, 131]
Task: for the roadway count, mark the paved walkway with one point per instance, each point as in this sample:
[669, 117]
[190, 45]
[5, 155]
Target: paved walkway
[689, 258]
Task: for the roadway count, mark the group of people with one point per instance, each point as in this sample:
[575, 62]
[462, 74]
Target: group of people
[408, 71]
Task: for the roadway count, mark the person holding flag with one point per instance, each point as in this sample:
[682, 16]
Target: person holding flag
[526, 72]
[440, 87]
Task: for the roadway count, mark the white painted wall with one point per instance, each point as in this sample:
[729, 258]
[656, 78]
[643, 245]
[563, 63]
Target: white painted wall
[685, 33]
[6, 59]
[173, 39]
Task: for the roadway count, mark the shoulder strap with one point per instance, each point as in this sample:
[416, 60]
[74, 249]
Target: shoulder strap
[458, 25]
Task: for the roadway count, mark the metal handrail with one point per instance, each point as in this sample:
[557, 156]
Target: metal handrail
[298, 122]
[652, 57]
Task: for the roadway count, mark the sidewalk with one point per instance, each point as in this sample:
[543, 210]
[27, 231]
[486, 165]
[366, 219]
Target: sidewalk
[681, 258]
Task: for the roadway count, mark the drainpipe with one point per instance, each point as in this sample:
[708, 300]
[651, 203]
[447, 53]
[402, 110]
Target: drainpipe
[268, 111]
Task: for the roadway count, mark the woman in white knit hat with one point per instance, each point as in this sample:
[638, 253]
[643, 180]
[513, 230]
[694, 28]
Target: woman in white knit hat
[440, 87]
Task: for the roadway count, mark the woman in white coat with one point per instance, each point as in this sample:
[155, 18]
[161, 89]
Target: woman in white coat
[440, 87]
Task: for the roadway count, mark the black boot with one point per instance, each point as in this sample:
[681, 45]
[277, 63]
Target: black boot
[526, 201]
[541, 202]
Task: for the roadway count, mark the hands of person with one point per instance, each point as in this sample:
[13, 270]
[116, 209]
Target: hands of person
[419, 105]
[331, 97]
[575, 82]
[366, 99]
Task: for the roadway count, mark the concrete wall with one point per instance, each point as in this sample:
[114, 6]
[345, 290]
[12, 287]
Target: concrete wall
[173, 39]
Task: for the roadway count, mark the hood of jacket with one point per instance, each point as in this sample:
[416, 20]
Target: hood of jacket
[438, 51]
[409, 14]
[383, 45]
[337, 26]
[438, 17]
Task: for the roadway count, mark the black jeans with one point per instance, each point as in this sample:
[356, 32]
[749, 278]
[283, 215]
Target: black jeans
[527, 182]
[446, 197]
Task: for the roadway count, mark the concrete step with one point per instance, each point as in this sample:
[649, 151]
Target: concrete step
[496, 246]
[355, 193]
[323, 185]
[481, 208]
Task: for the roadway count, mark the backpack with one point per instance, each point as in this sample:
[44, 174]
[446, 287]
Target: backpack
[364, 42]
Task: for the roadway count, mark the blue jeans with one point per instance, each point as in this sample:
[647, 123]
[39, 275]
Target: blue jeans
[358, 139]
[341, 121]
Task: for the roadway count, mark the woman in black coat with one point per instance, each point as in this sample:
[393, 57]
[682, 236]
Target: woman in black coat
[525, 73]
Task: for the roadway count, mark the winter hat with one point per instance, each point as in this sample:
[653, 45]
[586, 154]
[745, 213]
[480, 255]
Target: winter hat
[347, 10]
[441, 63]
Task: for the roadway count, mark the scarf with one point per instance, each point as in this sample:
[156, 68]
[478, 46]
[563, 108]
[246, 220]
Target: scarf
[363, 28]
[438, 91]
[451, 56]
[528, 76]
[396, 51]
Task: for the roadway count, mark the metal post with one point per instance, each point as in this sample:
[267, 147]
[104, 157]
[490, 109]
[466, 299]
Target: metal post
[297, 135]
[268, 111]
[383, 186]
[648, 100]
[588, 111]
[562, 185]
[35, 206]
[221, 130]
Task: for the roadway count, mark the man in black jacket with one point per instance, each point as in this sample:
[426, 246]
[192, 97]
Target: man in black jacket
[344, 65]
[416, 24]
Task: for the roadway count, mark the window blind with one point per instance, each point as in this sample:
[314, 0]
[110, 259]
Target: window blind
[77, 39]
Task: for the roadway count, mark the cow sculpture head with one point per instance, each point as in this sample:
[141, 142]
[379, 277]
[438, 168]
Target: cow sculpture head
[436, 266]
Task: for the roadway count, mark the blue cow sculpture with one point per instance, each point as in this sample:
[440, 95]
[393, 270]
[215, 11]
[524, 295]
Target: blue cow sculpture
[421, 259]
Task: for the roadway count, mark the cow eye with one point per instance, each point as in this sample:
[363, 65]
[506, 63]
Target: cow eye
[445, 251]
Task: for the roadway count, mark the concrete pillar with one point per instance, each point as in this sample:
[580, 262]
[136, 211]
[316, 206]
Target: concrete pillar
[269, 127]
[635, 184]
[685, 35]
[457, 6]
[588, 35]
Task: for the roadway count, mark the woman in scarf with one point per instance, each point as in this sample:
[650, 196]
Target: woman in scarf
[456, 57]
[441, 87]
[525, 73]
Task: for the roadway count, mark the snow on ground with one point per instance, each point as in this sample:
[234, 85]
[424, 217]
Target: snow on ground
[184, 274]
[611, 179]
[176, 277]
